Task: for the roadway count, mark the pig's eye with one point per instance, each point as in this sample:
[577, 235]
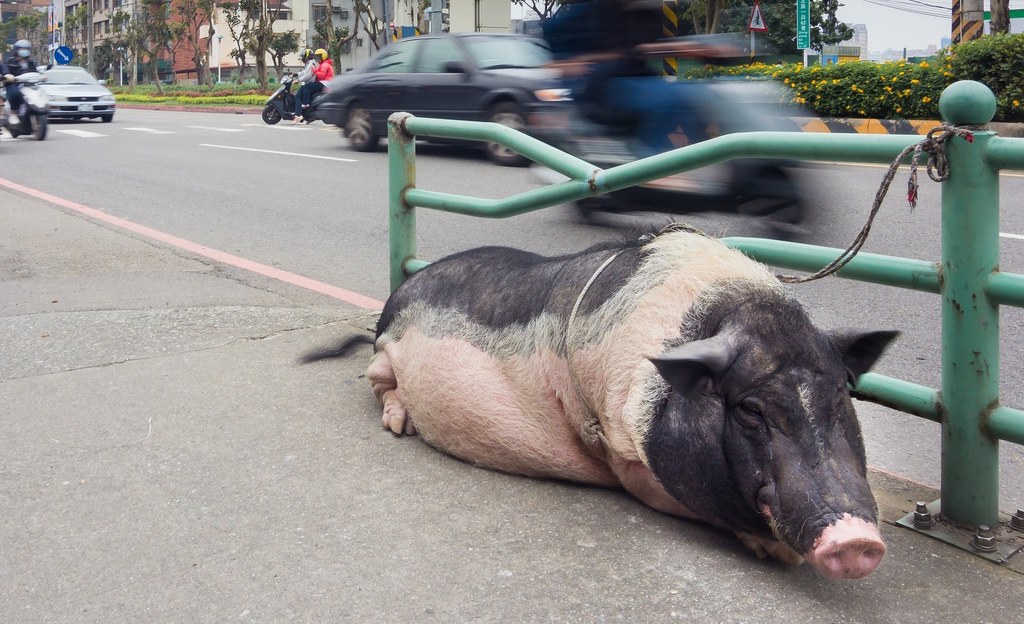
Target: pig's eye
[750, 413]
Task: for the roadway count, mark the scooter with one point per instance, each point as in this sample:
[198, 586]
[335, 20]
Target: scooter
[36, 108]
[751, 186]
[281, 104]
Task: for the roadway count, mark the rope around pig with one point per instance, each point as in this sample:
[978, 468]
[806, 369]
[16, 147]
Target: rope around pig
[592, 430]
[938, 170]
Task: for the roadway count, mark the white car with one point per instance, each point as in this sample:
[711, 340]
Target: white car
[74, 94]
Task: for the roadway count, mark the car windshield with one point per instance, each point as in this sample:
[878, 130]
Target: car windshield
[69, 78]
[507, 52]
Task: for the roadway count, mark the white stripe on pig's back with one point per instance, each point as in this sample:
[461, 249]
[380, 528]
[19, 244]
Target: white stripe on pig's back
[613, 369]
[507, 414]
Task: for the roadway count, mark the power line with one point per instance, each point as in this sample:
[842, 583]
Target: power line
[914, 6]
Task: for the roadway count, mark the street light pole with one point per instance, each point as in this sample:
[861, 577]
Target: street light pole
[219, 37]
[90, 63]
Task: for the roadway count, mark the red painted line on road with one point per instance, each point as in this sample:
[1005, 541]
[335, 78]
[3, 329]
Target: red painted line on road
[200, 250]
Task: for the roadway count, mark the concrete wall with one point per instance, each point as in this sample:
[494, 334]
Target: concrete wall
[479, 15]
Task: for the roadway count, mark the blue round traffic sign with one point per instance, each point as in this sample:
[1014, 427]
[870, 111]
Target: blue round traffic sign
[63, 55]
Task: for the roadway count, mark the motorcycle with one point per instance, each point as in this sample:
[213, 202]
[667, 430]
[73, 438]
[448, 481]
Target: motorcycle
[35, 104]
[281, 104]
[606, 137]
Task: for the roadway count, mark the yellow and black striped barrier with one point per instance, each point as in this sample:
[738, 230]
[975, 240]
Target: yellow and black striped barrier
[865, 126]
[669, 29]
[964, 29]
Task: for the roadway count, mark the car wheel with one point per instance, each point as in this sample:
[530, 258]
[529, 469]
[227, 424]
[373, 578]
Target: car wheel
[511, 115]
[271, 115]
[359, 130]
[107, 118]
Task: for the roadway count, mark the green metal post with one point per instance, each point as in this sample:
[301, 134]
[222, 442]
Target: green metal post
[970, 320]
[401, 215]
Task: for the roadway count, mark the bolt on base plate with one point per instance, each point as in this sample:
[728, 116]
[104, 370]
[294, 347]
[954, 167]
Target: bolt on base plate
[1006, 541]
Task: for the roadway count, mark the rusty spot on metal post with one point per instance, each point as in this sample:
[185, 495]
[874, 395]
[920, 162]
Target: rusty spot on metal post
[401, 119]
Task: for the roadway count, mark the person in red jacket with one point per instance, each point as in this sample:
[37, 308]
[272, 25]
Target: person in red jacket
[324, 71]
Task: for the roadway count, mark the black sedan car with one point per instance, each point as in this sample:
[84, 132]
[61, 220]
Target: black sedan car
[470, 76]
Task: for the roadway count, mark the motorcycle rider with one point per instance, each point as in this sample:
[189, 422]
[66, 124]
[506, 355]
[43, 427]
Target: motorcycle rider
[602, 46]
[324, 71]
[304, 77]
[18, 62]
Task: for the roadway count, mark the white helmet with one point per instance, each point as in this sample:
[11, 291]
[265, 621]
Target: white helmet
[23, 48]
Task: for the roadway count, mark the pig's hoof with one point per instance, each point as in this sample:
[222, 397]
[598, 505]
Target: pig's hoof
[767, 547]
[397, 420]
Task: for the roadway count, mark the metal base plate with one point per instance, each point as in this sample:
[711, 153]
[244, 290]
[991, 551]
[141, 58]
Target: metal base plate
[1008, 541]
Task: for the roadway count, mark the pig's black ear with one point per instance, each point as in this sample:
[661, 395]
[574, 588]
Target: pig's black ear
[860, 350]
[686, 366]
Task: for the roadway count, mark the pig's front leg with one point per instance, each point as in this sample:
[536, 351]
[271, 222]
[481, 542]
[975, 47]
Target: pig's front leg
[385, 388]
[770, 547]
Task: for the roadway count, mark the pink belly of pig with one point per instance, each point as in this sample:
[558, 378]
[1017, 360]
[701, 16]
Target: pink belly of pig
[502, 414]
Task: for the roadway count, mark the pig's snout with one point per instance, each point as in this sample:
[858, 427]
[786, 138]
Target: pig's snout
[849, 549]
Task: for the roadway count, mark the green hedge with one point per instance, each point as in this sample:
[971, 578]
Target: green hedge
[898, 90]
[193, 100]
[190, 95]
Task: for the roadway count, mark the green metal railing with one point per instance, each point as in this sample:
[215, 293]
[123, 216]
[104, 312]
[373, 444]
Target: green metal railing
[967, 277]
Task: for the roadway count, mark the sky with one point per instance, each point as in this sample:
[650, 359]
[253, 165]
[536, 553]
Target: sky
[896, 29]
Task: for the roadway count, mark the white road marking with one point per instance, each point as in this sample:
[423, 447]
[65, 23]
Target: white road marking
[85, 134]
[284, 125]
[903, 167]
[250, 149]
[1013, 236]
[217, 129]
[150, 130]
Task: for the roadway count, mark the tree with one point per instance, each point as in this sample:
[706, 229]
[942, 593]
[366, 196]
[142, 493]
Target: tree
[1000, 22]
[420, 19]
[543, 8]
[260, 16]
[373, 26]
[780, 16]
[332, 38]
[30, 25]
[281, 45]
[195, 14]
[74, 24]
[705, 15]
[238, 28]
[106, 57]
[826, 29]
[147, 32]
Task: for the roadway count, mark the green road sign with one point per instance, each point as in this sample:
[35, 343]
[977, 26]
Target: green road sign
[803, 24]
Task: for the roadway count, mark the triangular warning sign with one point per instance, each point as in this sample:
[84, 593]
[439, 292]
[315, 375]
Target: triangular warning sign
[757, 20]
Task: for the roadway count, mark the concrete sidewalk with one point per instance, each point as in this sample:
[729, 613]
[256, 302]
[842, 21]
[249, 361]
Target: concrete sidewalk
[164, 459]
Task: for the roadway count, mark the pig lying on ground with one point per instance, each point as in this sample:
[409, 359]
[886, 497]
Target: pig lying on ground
[671, 366]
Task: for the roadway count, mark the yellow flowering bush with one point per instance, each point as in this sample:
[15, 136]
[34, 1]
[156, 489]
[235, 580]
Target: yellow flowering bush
[899, 89]
[859, 89]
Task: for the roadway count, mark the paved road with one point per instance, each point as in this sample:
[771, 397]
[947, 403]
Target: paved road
[166, 461]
